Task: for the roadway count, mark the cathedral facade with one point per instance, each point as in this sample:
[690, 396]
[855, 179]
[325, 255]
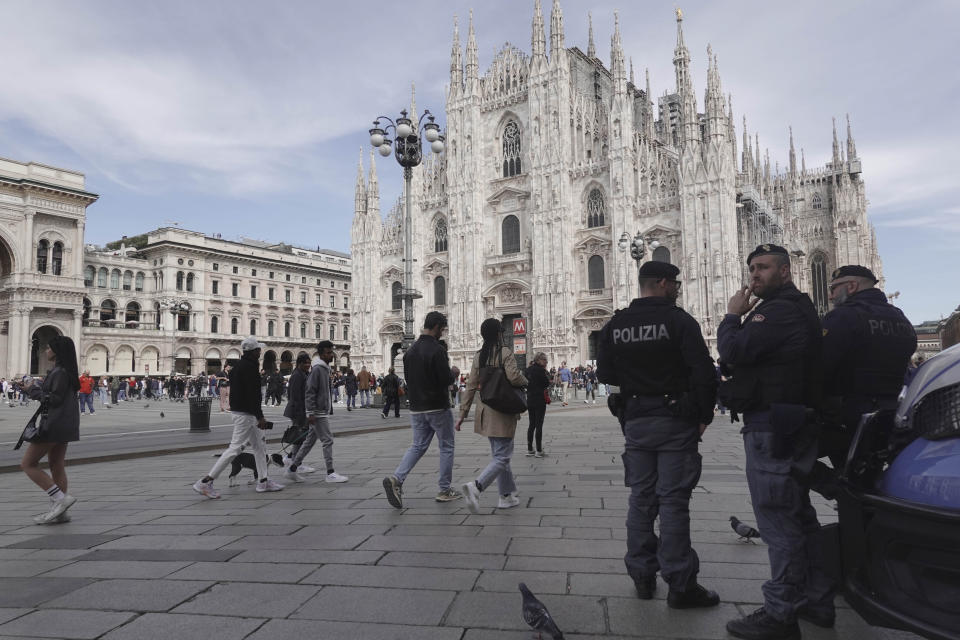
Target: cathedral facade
[551, 159]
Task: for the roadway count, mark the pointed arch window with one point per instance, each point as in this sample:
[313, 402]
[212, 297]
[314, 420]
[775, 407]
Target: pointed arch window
[396, 291]
[511, 150]
[595, 279]
[818, 280]
[43, 249]
[510, 231]
[817, 201]
[440, 236]
[596, 209]
[439, 291]
[56, 263]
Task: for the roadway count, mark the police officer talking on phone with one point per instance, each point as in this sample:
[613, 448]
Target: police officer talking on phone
[772, 350]
[655, 352]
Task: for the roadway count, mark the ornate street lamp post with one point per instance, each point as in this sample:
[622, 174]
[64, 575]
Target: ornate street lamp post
[409, 154]
[174, 306]
[638, 249]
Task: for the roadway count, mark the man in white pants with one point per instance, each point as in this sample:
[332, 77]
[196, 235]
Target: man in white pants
[248, 421]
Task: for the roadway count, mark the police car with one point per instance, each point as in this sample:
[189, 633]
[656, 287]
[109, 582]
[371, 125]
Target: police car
[899, 508]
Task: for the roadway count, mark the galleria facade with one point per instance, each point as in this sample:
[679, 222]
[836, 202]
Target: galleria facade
[170, 301]
[551, 158]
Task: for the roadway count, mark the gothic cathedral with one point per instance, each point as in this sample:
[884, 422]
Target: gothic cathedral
[551, 159]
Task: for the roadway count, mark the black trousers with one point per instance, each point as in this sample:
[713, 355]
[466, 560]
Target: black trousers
[395, 401]
[535, 429]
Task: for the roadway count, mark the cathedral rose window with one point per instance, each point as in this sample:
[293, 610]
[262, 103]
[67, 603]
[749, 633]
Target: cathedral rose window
[511, 150]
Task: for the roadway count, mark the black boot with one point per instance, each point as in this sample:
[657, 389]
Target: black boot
[695, 597]
[646, 587]
[759, 625]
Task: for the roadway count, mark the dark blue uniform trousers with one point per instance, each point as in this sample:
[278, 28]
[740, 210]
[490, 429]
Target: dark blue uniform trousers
[788, 525]
[661, 467]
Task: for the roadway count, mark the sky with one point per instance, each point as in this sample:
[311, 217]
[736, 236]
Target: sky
[246, 118]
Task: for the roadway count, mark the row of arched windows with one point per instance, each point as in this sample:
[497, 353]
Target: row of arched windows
[273, 326]
[52, 255]
[129, 280]
[187, 279]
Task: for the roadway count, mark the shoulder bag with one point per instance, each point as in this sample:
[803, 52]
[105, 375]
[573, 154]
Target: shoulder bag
[34, 429]
[496, 391]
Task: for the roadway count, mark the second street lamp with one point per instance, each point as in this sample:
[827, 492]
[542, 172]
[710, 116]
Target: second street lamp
[638, 249]
[409, 154]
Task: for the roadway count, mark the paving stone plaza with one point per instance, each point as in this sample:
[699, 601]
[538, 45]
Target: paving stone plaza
[145, 557]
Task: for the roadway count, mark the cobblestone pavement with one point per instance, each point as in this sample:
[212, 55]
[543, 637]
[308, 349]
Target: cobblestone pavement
[145, 557]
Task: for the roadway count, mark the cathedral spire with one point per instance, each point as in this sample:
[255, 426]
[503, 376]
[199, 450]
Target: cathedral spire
[373, 188]
[747, 154]
[591, 47]
[538, 39]
[803, 162]
[360, 190]
[473, 63]
[836, 148]
[731, 130]
[648, 108]
[851, 145]
[793, 155]
[556, 31]
[632, 78]
[617, 67]
[456, 61]
[713, 103]
[681, 59]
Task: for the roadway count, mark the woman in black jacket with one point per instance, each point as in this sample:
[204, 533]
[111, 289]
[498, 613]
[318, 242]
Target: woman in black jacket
[59, 423]
[538, 381]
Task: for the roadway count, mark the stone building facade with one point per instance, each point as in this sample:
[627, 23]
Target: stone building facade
[183, 301]
[551, 158]
[42, 218]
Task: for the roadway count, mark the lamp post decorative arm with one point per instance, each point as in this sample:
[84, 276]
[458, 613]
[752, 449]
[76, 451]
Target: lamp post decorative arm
[638, 249]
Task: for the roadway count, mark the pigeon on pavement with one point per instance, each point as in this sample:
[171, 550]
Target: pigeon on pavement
[146, 405]
[536, 615]
[745, 531]
[161, 414]
[109, 407]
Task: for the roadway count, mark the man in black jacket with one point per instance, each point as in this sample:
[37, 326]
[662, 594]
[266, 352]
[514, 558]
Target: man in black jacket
[248, 421]
[427, 370]
[390, 388]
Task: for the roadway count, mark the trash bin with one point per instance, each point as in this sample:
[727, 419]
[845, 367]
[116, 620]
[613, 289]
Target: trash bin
[200, 414]
[377, 401]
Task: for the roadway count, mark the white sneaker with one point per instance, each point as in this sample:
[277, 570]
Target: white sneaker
[305, 468]
[60, 507]
[268, 485]
[506, 502]
[206, 489]
[336, 477]
[472, 496]
[287, 461]
[292, 476]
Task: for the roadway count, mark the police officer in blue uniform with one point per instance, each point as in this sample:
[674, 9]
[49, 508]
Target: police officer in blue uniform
[867, 345]
[773, 358]
[655, 352]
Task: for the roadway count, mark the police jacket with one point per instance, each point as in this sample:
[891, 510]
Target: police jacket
[245, 385]
[774, 355]
[427, 372]
[654, 348]
[867, 344]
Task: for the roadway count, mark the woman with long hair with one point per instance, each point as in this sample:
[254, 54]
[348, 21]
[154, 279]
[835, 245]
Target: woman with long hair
[537, 389]
[60, 424]
[499, 427]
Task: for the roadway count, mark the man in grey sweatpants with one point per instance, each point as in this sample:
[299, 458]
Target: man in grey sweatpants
[317, 402]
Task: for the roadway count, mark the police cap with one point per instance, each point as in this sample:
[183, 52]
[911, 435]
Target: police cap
[854, 270]
[767, 250]
[657, 269]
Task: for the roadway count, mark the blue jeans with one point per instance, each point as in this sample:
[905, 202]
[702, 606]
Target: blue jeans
[364, 397]
[424, 426]
[86, 399]
[501, 449]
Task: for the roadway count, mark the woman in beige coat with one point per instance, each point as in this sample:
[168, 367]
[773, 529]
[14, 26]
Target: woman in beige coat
[498, 427]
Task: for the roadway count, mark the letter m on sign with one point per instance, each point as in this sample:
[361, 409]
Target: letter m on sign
[519, 326]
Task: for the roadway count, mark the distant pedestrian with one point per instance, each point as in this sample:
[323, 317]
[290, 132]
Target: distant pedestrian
[538, 386]
[500, 428]
[428, 375]
[248, 422]
[390, 389]
[85, 396]
[350, 386]
[60, 424]
[223, 386]
[565, 379]
[363, 386]
[317, 406]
